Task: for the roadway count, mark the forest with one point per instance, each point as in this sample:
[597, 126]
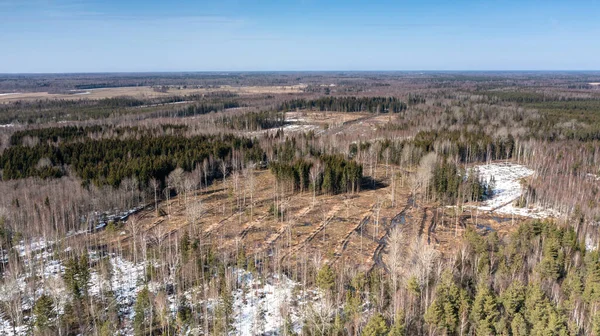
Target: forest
[348, 104]
[300, 204]
[101, 161]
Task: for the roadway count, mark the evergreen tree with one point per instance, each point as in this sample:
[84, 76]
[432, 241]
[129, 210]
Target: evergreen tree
[485, 312]
[445, 311]
[377, 326]
[398, 328]
[326, 278]
[143, 313]
[43, 313]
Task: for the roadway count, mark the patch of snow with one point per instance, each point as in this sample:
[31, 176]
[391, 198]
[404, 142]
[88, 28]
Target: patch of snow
[590, 244]
[297, 128]
[507, 186]
[6, 328]
[35, 245]
[296, 119]
[507, 189]
[258, 309]
[593, 176]
[9, 94]
[125, 282]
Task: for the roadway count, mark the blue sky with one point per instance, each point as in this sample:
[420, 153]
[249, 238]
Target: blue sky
[262, 35]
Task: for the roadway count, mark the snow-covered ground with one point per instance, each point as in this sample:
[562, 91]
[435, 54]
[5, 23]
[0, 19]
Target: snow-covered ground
[507, 189]
[260, 306]
[38, 259]
[125, 282]
[6, 328]
[299, 128]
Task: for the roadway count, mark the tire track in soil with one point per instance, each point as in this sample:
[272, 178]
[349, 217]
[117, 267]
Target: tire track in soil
[383, 242]
[207, 232]
[250, 226]
[341, 246]
[275, 236]
[330, 215]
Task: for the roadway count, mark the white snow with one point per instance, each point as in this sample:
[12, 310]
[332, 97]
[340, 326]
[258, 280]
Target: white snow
[296, 119]
[300, 128]
[593, 176]
[261, 305]
[507, 183]
[6, 328]
[125, 282]
[590, 243]
[40, 265]
[9, 94]
[507, 189]
[259, 310]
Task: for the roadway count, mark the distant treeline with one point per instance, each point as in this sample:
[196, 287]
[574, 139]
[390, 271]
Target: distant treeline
[561, 117]
[465, 146]
[468, 146]
[347, 104]
[108, 161]
[532, 97]
[72, 133]
[39, 111]
[254, 121]
[203, 108]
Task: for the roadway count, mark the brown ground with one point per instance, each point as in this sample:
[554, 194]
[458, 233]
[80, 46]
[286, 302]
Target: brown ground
[337, 229]
[148, 92]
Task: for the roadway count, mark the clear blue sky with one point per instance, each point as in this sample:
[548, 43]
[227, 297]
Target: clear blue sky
[226, 35]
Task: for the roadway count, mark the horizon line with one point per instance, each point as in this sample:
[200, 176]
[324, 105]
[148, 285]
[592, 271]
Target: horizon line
[290, 71]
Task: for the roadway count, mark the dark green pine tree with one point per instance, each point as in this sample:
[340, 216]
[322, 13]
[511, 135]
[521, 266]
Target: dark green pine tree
[485, 312]
[326, 278]
[43, 313]
[377, 326]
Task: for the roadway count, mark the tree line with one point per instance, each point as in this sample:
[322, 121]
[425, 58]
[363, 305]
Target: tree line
[73, 133]
[253, 121]
[109, 161]
[332, 174]
[49, 110]
[347, 104]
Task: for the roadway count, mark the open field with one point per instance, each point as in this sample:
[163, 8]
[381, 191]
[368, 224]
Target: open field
[148, 92]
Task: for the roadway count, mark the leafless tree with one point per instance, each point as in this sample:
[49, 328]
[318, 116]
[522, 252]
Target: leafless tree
[195, 211]
[315, 172]
[420, 180]
[422, 261]
[155, 185]
[396, 243]
[176, 180]
[134, 228]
